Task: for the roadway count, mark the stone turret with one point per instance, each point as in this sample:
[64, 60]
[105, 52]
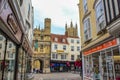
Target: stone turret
[47, 24]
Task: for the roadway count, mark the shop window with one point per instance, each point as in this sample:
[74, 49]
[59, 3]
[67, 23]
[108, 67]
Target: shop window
[2, 53]
[116, 58]
[96, 64]
[109, 63]
[7, 65]
[10, 63]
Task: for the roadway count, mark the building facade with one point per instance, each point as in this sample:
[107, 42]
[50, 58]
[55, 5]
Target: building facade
[15, 47]
[42, 48]
[65, 49]
[59, 53]
[99, 27]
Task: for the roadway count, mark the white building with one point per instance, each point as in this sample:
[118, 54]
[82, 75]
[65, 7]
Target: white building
[64, 49]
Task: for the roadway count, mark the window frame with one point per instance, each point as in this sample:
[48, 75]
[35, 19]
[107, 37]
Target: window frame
[87, 29]
[99, 6]
[85, 7]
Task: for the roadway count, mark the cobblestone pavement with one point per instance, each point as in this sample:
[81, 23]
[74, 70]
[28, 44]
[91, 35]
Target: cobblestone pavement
[57, 76]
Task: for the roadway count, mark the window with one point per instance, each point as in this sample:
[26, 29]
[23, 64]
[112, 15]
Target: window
[63, 40]
[72, 41]
[53, 56]
[55, 46]
[85, 6]
[72, 48]
[87, 29]
[63, 56]
[78, 56]
[56, 39]
[64, 47]
[78, 48]
[72, 57]
[0, 45]
[100, 18]
[10, 45]
[41, 46]
[78, 41]
[1, 38]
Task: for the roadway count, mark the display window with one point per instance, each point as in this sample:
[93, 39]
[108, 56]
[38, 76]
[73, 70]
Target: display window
[7, 58]
[103, 65]
[116, 59]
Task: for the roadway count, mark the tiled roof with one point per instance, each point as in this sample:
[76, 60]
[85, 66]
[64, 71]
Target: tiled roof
[60, 38]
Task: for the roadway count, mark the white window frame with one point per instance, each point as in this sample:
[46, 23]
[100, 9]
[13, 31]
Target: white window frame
[85, 6]
[78, 48]
[72, 48]
[64, 47]
[56, 39]
[55, 46]
[87, 29]
[73, 58]
[63, 56]
[100, 19]
[78, 41]
[63, 40]
[72, 40]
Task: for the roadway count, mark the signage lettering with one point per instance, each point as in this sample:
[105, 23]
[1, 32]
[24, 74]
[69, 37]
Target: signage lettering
[11, 21]
[103, 46]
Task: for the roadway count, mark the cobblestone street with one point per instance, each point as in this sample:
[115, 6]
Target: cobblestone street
[57, 76]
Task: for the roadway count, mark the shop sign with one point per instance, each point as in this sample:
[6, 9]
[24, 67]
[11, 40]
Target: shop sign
[60, 51]
[102, 46]
[9, 19]
[12, 23]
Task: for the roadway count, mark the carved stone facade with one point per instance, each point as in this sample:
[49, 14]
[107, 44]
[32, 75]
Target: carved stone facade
[42, 47]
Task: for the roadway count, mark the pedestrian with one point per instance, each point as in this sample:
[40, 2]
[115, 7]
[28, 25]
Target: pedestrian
[68, 66]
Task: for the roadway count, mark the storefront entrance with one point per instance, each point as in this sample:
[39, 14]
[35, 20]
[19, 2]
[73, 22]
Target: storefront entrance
[103, 65]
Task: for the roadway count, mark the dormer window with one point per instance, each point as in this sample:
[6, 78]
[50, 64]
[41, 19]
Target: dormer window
[63, 40]
[56, 39]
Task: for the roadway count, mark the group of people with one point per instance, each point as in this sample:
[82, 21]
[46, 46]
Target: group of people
[77, 64]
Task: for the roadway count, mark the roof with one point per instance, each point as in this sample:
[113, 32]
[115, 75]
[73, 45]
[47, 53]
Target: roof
[60, 38]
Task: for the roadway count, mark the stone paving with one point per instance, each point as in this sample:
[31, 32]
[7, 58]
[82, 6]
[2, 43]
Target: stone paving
[57, 76]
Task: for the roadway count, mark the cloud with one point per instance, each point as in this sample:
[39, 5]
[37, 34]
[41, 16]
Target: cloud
[60, 12]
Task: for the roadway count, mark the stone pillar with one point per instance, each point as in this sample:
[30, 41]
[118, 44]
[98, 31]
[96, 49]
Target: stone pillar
[46, 68]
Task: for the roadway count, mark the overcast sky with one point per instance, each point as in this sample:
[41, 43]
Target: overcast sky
[60, 12]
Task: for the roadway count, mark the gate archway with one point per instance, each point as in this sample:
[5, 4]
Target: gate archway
[38, 65]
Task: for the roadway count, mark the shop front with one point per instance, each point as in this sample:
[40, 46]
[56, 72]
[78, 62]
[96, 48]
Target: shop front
[102, 62]
[59, 66]
[12, 51]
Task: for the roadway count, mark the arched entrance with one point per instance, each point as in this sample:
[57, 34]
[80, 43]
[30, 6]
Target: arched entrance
[38, 65]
